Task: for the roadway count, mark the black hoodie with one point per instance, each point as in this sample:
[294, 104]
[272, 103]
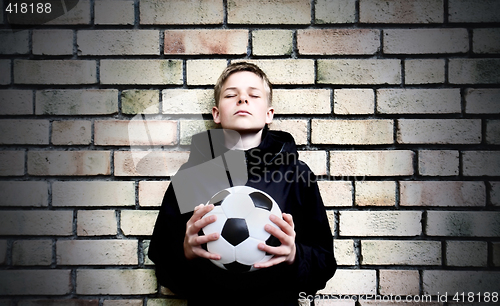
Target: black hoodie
[274, 168]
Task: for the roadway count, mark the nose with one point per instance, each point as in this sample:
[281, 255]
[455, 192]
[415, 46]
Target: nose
[243, 101]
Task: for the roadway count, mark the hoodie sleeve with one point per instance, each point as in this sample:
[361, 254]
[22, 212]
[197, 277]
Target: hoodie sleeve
[315, 262]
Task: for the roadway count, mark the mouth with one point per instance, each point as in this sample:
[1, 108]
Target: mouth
[242, 112]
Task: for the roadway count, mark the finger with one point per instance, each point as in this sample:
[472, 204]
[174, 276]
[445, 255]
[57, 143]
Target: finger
[276, 232]
[199, 206]
[277, 251]
[200, 212]
[282, 224]
[271, 262]
[202, 253]
[205, 239]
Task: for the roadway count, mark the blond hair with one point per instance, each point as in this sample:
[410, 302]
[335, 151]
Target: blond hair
[242, 66]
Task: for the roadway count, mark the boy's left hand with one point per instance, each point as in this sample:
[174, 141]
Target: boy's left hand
[286, 234]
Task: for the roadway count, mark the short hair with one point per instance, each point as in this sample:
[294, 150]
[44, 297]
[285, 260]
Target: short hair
[242, 66]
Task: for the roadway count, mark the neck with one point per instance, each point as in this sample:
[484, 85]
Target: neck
[245, 141]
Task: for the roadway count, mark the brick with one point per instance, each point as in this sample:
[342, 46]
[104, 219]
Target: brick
[188, 101]
[338, 41]
[371, 163]
[24, 131]
[52, 42]
[424, 71]
[94, 193]
[473, 11]
[114, 12]
[14, 42]
[439, 131]
[336, 193]
[16, 102]
[24, 193]
[316, 160]
[297, 128]
[148, 163]
[373, 193]
[36, 223]
[442, 281]
[167, 302]
[400, 252]
[97, 252]
[380, 223]
[137, 101]
[213, 41]
[418, 101]
[136, 132]
[204, 72]
[272, 42]
[151, 193]
[49, 72]
[438, 162]
[493, 131]
[3, 251]
[96, 223]
[485, 41]
[401, 11]
[35, 282]
[59, 302]
[122, 303]
[463, 224]
[496, 254]
[359, 71]
[181, 12]
[118, 42]
[188, 128]
[294, 101]
[344, 252]
[474, 71]
[481, 163]
[425, 41]
[467, 253]
[76, 102]
[5, 72]
[12, 163]
[138, 222]
[269, 12]
[347, 281]
[353, 101]
[68, 163]
[400, 282]
[442, 193]
[482, 101]
[286, 71]
[336, 11]
[355, 132]
[80, 14]
[72, 132]
[145, 251]
[141, 72]
[115, 282]
[495, 193]
[32, 252]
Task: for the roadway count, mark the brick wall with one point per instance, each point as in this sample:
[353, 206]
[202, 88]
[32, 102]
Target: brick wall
[394, 104]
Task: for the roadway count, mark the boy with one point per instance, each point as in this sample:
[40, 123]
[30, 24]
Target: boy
[302, 263]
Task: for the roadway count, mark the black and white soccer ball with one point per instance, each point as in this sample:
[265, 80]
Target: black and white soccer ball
[242, 212]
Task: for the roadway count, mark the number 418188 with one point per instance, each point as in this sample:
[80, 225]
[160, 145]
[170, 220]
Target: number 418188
[25, 8]
[476, 297]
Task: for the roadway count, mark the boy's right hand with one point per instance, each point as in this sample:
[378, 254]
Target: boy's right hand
[193, 241]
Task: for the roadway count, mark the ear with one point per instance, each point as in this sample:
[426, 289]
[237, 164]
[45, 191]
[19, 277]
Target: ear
[269, 115]
[216, 114]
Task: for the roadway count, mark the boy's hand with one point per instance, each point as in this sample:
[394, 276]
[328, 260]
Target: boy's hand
[286, 234]
[192, 241]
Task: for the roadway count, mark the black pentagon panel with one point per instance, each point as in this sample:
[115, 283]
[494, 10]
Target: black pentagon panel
[261, 201]
[237, 267]
[235, 231]
[219, 197]
[272, 241]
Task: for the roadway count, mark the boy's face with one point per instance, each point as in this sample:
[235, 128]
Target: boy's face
[243, 104]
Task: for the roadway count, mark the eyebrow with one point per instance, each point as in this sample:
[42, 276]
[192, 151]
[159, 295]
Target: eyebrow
[235, 88]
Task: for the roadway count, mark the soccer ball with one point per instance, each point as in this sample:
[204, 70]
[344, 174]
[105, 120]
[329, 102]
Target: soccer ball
[242, 212]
